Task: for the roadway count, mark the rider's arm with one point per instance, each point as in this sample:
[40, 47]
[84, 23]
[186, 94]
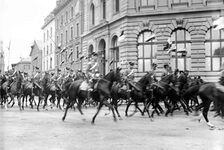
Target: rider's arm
[131, 73]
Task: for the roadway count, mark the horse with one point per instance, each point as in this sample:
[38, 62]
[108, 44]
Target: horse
[163, 91]
[16, 89]
[3, 90]
[210, 92]
[101, 91]
[49, 88]
[139, 93]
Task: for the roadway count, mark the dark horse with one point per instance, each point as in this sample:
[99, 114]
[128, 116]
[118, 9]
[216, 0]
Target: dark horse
[208, 93]
[49, 88]
[16, 89]
[139, 93]
[169, 94]
[100, 93]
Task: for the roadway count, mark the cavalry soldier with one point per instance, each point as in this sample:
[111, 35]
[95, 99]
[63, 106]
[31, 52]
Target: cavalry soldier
[80, 75]
[165, 71]
[153, 71]
[13, 74]
[92, 66]
[37, 77]
[130, 73]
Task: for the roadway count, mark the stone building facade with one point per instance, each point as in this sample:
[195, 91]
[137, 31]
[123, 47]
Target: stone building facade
[188, 23]
[48, 53]
[68, 34]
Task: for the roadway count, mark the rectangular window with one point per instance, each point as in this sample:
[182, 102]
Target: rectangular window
[104, 9]
[77, 52]
[61, 38]
[71, 33]
[117, 6]
[61, 20]
[66, 16]
[72, 12]
[66, 37]
[51, 48]
[77, 26]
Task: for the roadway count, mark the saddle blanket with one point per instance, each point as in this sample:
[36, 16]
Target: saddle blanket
[84, 86]
[219, 87]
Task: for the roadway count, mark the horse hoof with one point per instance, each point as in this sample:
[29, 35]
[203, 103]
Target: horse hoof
[120, 118]
[115, 120]
[210, 125]
[92, 123]
[63, 119]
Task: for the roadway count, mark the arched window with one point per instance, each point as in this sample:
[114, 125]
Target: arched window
[90, 51]
[146, 51]
[117, 6]
[92, 10]
[214, 49]
[72, 12]
[182, 41]
[115, 52]
[103, 5]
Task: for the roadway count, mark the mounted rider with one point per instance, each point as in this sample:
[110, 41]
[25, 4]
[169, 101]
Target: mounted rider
[37, 77]
[153, 71]
[92, 70]
[165, 71]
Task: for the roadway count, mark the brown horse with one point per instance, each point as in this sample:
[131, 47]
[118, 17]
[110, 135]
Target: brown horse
[101, 92]
[208, 93]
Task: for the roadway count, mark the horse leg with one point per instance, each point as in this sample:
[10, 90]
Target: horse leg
[45, 101]
[128, 105]
[98, 110]
[66, 110]
[23, 98]
[38, 105]
[30, 100]
[116, 108]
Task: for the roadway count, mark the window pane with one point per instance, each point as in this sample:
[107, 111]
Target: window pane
[140, 51]
[140, 65]
[146, 35]
[147, 51]
[173, 63]
[140, 38]
[180, 46]
[207, 49]
[222, 44]
[188, 49]
[180, 35]
[147, 64]
[181, 63]
[215, 48]
[215, 34]
[208, 64]
[216, 63]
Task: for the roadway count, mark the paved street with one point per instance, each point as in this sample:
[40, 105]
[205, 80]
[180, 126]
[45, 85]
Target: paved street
[44, 130]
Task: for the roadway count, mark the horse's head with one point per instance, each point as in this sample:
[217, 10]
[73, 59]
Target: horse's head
[171, 78]
[146, 79]
[114, 75]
